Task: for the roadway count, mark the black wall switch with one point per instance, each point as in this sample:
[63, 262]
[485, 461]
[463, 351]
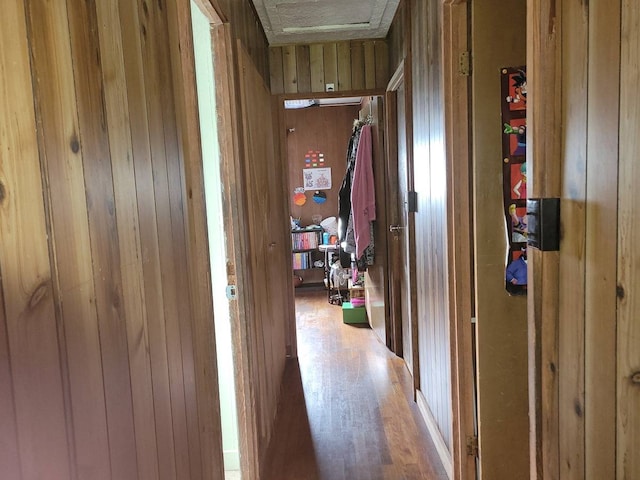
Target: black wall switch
[543, 224]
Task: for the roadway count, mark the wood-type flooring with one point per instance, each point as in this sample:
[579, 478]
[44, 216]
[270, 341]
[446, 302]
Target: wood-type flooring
[347, 409]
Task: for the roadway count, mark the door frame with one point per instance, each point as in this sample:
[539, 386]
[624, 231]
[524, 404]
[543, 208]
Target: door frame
[456, 24]
[231, 148]
[402, 75]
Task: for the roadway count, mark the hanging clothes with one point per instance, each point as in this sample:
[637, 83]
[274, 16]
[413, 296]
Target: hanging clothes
[363, 196]
[344, 195]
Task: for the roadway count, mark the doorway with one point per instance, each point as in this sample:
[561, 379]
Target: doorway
[402, 300]
[218, 236]
[318, 133]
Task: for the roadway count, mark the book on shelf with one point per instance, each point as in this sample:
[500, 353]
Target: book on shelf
[305, 240]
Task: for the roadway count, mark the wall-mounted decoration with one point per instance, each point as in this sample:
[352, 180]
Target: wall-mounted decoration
[317, 178]
[299, 197]
[319, 197]
[514, 150]
[314, 159]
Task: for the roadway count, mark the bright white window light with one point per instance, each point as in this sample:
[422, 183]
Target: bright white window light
[304, 103]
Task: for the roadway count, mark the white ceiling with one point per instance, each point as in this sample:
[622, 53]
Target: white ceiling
[314, 21]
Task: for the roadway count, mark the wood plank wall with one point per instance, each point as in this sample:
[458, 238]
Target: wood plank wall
[328, 130]
[351, 66]
[241, 14]
[268, 248]
[398, 47]
[584, 347]
[96, 324]
[430, 183]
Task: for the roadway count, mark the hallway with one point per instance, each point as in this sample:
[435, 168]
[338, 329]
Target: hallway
[347, 410]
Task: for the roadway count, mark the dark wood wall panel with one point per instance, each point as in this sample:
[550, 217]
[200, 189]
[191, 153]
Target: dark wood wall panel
[354, 65]
[268, 235]
[247, 28]
[97, 348]
[572, 268]
[429, 173]
[628, 347]
[326, 129]
[396, 38]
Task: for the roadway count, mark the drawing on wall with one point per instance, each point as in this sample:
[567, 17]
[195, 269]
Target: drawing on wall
[314, 159]
[317, 178]
[514, 172]
[299, 198]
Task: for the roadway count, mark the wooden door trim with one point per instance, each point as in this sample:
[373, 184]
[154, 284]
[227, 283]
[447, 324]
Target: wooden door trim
[394, 330]
[460, 228]
[207, 393]
[230, 138]
[544, 122]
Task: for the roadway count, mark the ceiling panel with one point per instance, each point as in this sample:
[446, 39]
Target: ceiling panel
[311, 21]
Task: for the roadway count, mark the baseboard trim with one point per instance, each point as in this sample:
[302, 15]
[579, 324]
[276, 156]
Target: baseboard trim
[436, 436]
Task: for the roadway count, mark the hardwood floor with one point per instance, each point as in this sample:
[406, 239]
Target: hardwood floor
[347, 410]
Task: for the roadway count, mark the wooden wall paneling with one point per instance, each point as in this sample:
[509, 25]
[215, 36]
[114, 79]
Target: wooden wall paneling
[9, 455]
[394, 332]
[270, 322]
[439, 232]
[628, 352]
[357, 65]
[601, 250]
[188, 224]
[429, 174]
[239, 266]
[316, 57]
[572, 263]
[257, 226]
[171, 227]
[277, 70]
[459, 225]
[98, 180]
[280, 136]
[149, 153]
[344, 66]
[120, 145]
[289, 61]
[382, 64]
[409, 96]
[543, 149]
[328, 130]
[31, 359]
[396, 38]
[302, 66]
[86, 309]
[369, 65]
[330, 55]
[137, 69]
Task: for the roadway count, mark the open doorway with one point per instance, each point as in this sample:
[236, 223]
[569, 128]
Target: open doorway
[318, 134]
[218, 235]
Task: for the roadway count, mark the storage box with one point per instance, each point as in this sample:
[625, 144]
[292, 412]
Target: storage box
[351, 314]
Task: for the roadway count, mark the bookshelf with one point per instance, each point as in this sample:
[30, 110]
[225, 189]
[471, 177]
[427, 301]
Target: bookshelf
[305, 252]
